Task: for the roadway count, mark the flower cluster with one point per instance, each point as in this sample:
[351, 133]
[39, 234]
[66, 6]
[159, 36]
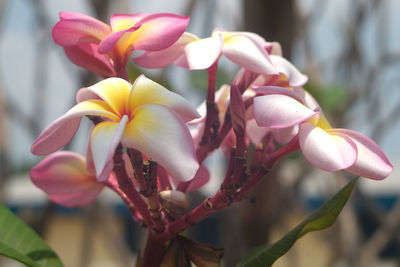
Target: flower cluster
[140, 144]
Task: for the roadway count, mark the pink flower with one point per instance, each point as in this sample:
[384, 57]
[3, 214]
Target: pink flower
[68, 180]
[144, 116]
[246, 49]
[288, 75]
[328, 148]
[105, 50]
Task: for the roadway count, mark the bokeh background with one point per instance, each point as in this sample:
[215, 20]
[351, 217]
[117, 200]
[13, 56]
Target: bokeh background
[350, 49]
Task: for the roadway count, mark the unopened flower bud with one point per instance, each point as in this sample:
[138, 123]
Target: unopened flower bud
[174, 202]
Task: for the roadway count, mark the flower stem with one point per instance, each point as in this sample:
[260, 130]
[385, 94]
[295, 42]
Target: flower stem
[130, 195]
[212, 121]
[154, 250]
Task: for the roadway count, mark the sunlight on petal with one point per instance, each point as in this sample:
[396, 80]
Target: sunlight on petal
[114, 91]
[326, 151]
[146, 91]
[201, 54]
[120, 22]
[241, 50]
[92, 107]
[161, 135]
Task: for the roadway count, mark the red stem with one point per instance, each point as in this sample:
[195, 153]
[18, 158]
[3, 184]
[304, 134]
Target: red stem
[154, 250]
[204, 149]
[212, 121]
[209, 207]
[153, 200]
[136, 215]
[224, 198]
[260, 172]
[126, 186]
[137, 164]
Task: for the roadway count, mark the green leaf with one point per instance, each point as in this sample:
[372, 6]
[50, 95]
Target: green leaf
[18, 241]
[324, 217]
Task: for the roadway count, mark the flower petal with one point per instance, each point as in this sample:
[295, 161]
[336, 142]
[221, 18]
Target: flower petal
[161, 135]
[284, 135]
[159, 31]
[162, 58]
[151, 33]
[74, 28]
[119, 39]
[146, 91]
[295, 77]
[200, 179]
[327, 151]
[254, 132]
[272, 90]
[114, 91]
[75, 199]
[201, 54]
[280, 111]
[85, 55]
[245, 52]
[59, 132]
[104, 139]
[371, 162]
[63, 175]
[120, 22]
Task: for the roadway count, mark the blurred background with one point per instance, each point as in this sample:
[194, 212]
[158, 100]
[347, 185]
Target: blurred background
[350, 49]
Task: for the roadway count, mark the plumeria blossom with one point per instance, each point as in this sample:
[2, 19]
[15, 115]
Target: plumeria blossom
[289, 77]
[246, 49]
[67, 178]
[330, 149]
[104, 49]
[144, 116]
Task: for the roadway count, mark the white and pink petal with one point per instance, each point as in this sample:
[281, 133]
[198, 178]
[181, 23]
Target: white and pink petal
[146, 91]
[295, 77]
[104, 139]
[162, 58]
[203, 53]
[60, 132]
[280, 111]
[329, 152]
[371, 161]
[245, 52]
[161, 135]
